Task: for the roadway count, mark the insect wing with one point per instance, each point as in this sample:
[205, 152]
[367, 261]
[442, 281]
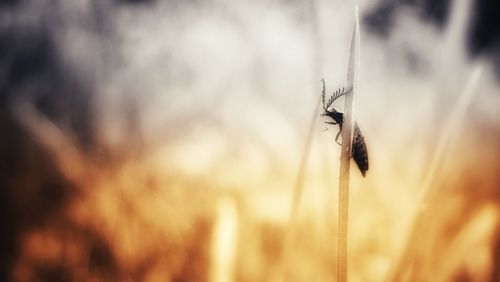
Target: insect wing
[359, 151]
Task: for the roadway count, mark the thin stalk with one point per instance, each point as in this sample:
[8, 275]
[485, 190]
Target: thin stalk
[297, 194]
[454, 40]
[299, 182]
[403, 263]
[65, 153]
[346, 154]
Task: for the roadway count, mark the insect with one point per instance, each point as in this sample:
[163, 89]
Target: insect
[358, 149]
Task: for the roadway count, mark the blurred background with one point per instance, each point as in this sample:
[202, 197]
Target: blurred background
[165, 140]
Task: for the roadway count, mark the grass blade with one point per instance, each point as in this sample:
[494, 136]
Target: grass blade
[299, 181]
[346, 154]
[403, 263]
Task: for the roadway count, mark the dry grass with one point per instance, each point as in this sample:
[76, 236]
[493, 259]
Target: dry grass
[206, 194]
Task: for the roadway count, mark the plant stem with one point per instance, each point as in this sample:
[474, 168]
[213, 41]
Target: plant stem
[346, 154]
[403, 262]
[299, 181]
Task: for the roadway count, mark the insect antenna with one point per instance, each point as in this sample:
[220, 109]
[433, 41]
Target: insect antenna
[337, 94]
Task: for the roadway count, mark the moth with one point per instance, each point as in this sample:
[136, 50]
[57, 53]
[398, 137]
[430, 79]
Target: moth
[359, 151]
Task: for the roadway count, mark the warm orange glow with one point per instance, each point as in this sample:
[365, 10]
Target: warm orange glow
[141, 224]
[195, 182]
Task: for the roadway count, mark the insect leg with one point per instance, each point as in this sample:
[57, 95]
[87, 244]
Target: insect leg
[338, 134]
[337, 137]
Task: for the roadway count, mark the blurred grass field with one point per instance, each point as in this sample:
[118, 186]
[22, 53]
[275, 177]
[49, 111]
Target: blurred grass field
[160, 141]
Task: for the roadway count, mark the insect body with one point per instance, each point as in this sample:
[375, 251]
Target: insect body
[359, 152]
[358, 149]
[337, 117]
